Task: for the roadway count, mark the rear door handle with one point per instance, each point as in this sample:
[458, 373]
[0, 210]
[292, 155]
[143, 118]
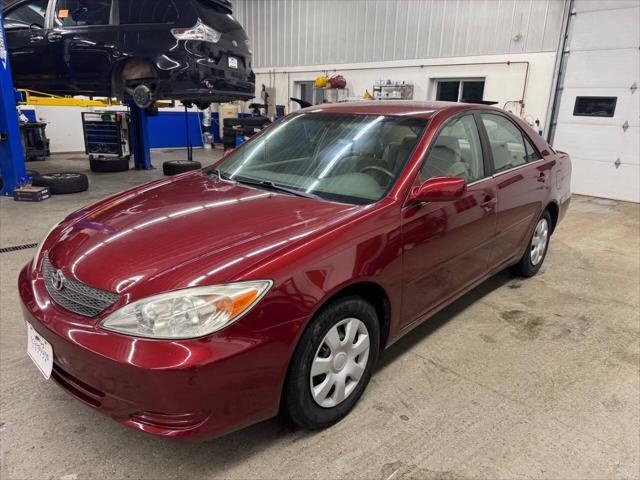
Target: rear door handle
[36, 38]
[54, 37]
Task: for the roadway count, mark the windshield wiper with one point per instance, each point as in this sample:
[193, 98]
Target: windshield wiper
[220, 175]
[280, 188]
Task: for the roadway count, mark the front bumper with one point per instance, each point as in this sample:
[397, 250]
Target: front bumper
[196, 388]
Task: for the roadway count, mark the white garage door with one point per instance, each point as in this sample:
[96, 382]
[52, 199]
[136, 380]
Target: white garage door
[598, 120]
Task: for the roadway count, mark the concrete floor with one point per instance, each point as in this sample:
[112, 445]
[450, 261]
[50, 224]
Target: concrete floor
[518, 379]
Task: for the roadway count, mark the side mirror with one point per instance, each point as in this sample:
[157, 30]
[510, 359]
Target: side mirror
[439, 189]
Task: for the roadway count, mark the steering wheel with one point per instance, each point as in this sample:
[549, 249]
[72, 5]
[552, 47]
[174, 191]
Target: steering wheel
[378, 169]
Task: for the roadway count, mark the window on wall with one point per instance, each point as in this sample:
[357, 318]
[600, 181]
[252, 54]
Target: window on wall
[308, 93]
[460, 90]
[147, 11]
[27, 15]
[595, 106]
[81, 13]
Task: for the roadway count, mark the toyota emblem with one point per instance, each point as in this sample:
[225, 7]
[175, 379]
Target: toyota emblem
[58, 279]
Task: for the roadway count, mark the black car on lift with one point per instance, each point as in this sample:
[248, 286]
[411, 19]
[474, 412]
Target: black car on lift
[189, 50]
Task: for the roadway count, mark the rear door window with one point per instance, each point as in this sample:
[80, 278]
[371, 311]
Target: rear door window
[147, 11]
[82, 13]
[506, 142]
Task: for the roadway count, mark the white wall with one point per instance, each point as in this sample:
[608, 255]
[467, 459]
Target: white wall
[531, 73]
[64, 125]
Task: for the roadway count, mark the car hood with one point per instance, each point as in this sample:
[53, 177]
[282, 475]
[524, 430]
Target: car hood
[191, 230]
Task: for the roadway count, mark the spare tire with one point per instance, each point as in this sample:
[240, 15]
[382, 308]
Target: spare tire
[109, 164]
[33, 173]
[174, 167]
[63, 182]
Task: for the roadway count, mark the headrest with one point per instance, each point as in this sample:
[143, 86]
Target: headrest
[409, 142]
[447, 141]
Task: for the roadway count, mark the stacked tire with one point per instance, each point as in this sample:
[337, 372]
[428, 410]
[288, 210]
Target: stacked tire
[247, 127]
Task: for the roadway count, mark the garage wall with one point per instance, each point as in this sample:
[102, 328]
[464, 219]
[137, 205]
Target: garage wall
[318, 32]
[508, 78]
[602, 61]
[64, 127]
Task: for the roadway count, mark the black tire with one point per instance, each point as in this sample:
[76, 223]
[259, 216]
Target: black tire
[105, 165]
[230, 122]
[174, 167]
[298, 401]
[255, 121]
[525, 267]
[63, 182]
[229, 132]
[229, 139]
[33, 173]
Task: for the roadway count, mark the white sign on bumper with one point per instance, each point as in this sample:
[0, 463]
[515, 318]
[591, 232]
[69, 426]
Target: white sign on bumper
[40, 351]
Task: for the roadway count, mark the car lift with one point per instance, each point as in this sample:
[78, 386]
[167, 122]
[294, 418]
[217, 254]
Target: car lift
[12, 164]
[140, 147]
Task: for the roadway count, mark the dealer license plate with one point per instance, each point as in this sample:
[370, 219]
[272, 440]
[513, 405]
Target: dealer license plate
[40, 351]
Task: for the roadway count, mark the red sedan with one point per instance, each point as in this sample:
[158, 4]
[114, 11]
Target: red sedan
[199, 304]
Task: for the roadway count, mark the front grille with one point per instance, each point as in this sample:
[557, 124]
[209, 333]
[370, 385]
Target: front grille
[75, 296]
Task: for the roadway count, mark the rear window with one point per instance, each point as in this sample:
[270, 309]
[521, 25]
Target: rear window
[147, 11]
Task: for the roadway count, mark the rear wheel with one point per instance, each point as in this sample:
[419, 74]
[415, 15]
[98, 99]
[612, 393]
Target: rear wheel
[332, 364]
[536, 252]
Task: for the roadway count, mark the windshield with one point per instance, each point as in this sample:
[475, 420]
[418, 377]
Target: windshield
[345, 158]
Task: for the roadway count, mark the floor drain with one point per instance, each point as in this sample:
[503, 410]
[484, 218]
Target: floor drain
[18, 248]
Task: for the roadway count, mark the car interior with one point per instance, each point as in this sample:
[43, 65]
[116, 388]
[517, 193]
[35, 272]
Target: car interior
[356, 166]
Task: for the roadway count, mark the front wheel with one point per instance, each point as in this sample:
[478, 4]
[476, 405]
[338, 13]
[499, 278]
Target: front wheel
[536, 252]
[332, 364]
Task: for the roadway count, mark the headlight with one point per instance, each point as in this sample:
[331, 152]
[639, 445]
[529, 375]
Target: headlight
[189, 313]
[41, 244]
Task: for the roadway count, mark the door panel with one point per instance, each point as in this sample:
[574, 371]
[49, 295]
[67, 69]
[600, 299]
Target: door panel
[30, 54]
[87, 44]
[447, 245]
[522, 183]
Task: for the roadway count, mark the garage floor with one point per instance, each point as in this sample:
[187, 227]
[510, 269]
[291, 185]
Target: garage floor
[526, 379]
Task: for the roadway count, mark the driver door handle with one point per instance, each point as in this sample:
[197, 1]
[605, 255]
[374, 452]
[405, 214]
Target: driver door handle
[36, 38]
[489, 203]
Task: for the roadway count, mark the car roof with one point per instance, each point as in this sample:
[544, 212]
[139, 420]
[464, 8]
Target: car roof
[411, 108]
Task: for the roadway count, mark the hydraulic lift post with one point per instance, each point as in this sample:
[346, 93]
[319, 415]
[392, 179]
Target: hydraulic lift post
[140, 138]
[11, 153]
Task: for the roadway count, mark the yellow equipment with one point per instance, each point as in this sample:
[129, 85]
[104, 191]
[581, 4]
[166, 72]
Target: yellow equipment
[322, 81]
